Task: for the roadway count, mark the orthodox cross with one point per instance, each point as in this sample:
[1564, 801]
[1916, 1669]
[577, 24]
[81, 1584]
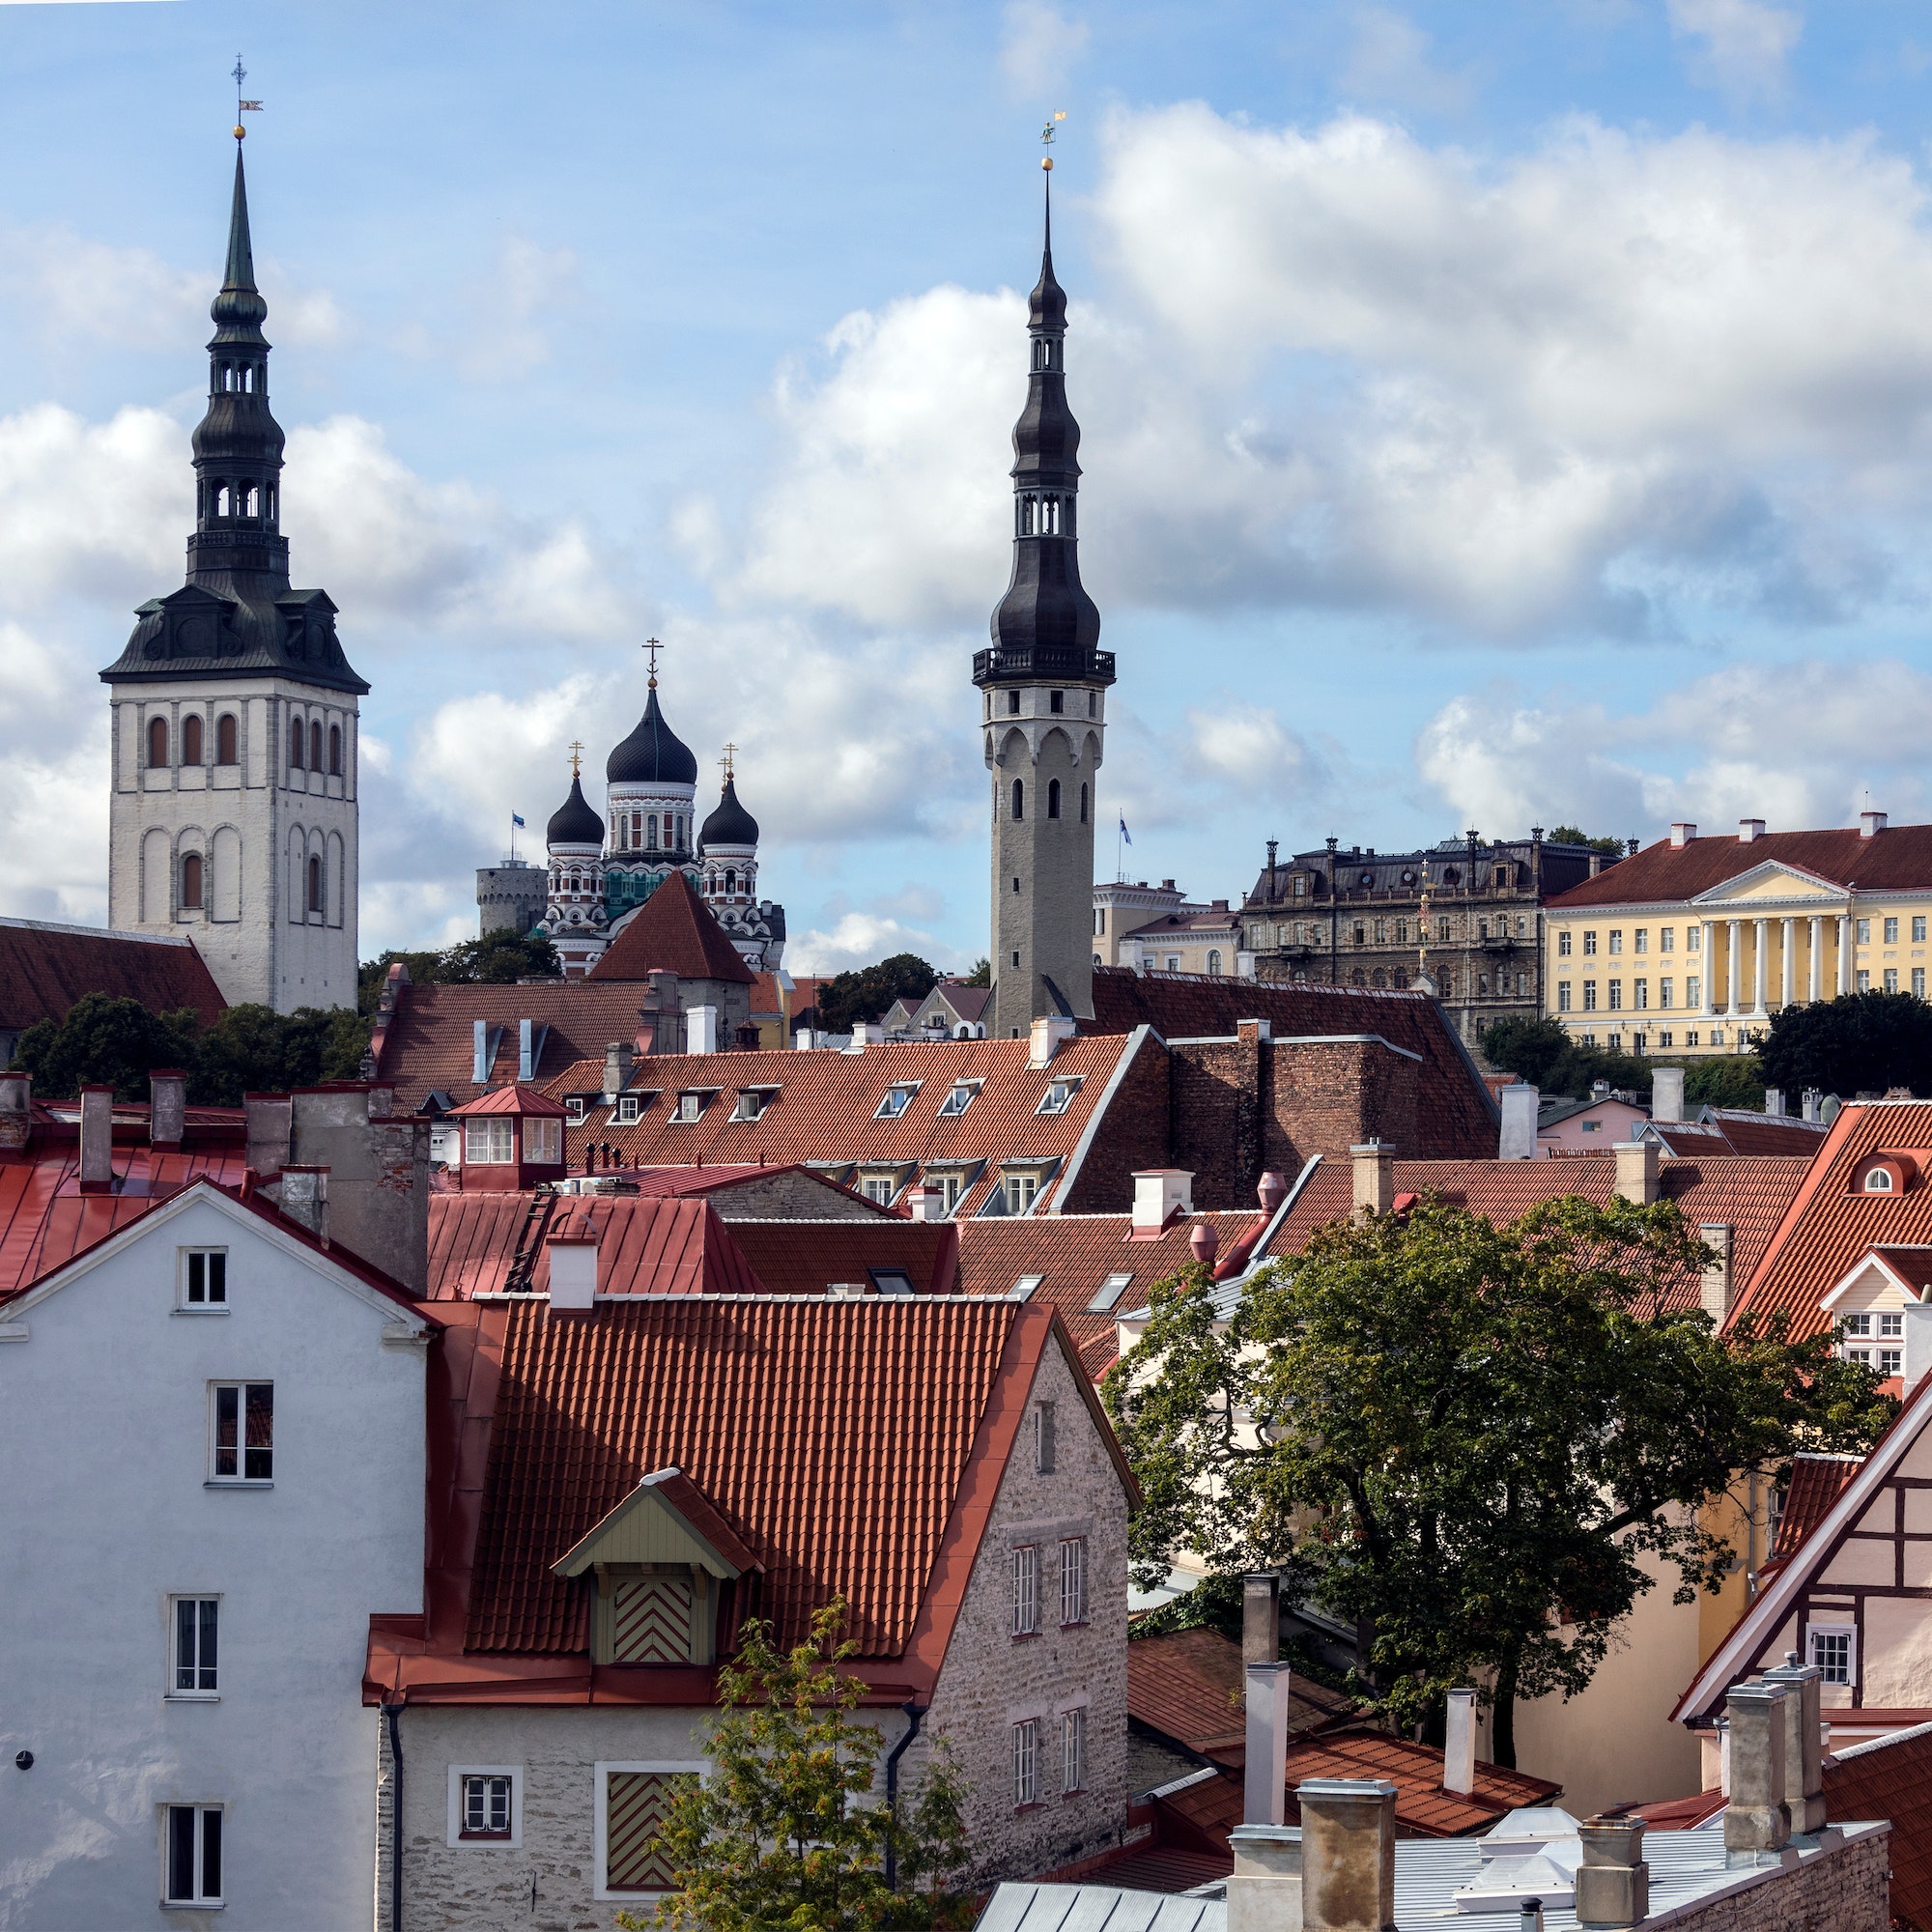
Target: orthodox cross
[731, 754]
[575, 756]
[653, 647]
[241, 107]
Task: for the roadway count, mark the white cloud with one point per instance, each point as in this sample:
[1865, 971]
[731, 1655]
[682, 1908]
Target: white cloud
[859, 939]
[508, 310]
[1743, 44]
[1247, 746]
[1390, 62]
[1038, 45]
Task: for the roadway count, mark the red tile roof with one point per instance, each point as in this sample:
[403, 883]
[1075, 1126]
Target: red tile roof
[1911, 1264]
[807, 1257]
[1185, 1686]
[824, 1106]
[1816, 1482]
[45, 969]
[1456, 1114]
[1827, 1227]
[1898, 859]
[1732, 1130]
[674, 931]
[1891, 1778]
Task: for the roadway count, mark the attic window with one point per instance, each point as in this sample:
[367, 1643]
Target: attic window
[690, 1107]
[625, 1113]
[1109, 1292]
[573, 1111]
[1878, 1180]
[880, 1188]
[890, 1281]
[958, 1100]
[1022, 1290]
[1059, 1095]
[754, 1103]
[898, 1099]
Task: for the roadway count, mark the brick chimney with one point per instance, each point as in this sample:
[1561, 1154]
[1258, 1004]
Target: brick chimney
[17, 1111]
[97, 1140]
[1757, 1825]
[167, 1106]
[1520, 1102]
[1637, 1167]
[618, 1064]
[1714, 1292]
[1375, 1178]
[1613, 1880]
[1348, 1854]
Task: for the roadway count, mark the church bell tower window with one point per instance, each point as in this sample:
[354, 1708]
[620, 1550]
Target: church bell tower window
[224, 739]
[157, 744]
[190, 740]
[1019, 800]
[1053, 798]
[191, 892]
[315, 885]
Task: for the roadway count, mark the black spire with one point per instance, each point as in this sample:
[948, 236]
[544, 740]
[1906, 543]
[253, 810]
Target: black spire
[653, 754]
[1046, 625]
[575, 823]
[236, 611]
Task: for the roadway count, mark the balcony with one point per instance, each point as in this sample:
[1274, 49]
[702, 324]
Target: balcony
[1041, 664]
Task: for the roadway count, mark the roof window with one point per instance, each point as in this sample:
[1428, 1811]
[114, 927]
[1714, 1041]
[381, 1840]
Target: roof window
[958, 1100]
[1109, 1292]
[691, 1105]
[898, 1099]
[1059, 1095]
[890, 1281]
[754, 1102]
[1023, 1289]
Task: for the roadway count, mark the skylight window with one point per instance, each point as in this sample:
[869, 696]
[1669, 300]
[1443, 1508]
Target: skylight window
[898, 1099]
[1109, 1292]
[890, 1281]
[958, 1100]
[1059, 1095]
[1023, 1289]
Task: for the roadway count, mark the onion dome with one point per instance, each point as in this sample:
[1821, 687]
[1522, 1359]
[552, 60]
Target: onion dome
[574, 822]
[730, 824]
[653, 754]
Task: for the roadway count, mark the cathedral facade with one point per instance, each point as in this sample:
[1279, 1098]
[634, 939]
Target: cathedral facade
[233, 814]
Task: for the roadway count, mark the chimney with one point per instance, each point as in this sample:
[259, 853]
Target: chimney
[1808, 1103]
[1049, 1034]
[1348, 1854]
[1774, 1102]
[1272, 1189]
[379, 1174]
[801, 1041]
[167, 1105]
[97, 1140]
[1599, 1090]
[304, 1199]
[1757, 1826]
[1918, 1344]
[1261, 1617]
[1666, 1095]
[1637, 1171]
[1265, 1784]
[1159, 1194]
[1374, 1179]
[700, 1029]
[17, 1111]
[1244, 963]
[1265, 1887]
[1803, 1753]
[618, 1064]
[1749, 829]
[268, 1119]
[573, 1265]
[926, 1202]
[1715, 1289]
[1254, 1032]
[1596, 864]
[524, 1067]
[480, 1052]
[1203, 1242]
[1681, 834]
[1520, 1101]
[1613, 1880]
[1459, 1742]
[1871, 824]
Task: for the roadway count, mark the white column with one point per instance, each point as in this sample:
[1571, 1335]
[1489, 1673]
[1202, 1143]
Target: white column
[1707, 969]
[1787, 959]
[1844, 952]
[1816, 977]
[1732, 1003]
[1759, 964]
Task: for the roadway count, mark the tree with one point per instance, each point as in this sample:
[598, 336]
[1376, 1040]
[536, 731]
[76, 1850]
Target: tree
[1724, 1080]
[982, 974]
[105, 1041]
[496, 959]
[1470, 1437]
[1858, 1044]
[850, 999]
[1548, 1057]
[777, 1839]
[1569, 835]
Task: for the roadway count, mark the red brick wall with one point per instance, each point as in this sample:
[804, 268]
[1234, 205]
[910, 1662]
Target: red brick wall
[1133, 1134]
[1328, 1096]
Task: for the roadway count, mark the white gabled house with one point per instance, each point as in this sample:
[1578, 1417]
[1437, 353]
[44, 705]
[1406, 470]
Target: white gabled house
[211, 1428]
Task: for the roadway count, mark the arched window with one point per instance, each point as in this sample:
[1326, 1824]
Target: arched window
[191, 883]
[1878, 1180]
[315, 885]
[1214, 960]
[315, 746]
[1053, 798]
[295, 744]
[1083, 804]
[335, 751]
[1049, 516]
[157, 744]
[1028, 515]
[1019, 799]
[192, 740]
[224, 739]
[730, 881]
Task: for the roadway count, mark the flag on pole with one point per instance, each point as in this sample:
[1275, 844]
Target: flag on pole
[516, 818]
[1124, 833]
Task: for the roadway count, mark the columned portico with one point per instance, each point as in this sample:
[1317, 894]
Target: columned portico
[1844, 952]
[1707, 989]
[1787, 962]
[1816, 983]
[1732, 1003]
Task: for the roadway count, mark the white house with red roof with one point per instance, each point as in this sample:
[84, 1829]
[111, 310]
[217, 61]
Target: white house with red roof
[211, 1424]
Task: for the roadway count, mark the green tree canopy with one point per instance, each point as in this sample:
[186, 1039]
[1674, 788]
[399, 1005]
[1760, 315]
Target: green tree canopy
[497, 959]
[1570, 834]
[851, 999]
[1858, 1044]
[982, 974]
[779, 1837]
[105, 1041]
[1544, 1053]
[1470, 1437]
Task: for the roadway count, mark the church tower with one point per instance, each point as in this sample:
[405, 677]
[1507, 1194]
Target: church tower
[1044, 694]
[233, 810]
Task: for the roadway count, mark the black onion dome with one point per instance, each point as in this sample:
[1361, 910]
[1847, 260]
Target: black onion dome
[574, 822]
[653, 754]
[730, 824]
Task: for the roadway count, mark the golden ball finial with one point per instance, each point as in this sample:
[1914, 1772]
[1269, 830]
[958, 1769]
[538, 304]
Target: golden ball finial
[241, 132]
[1046, 161]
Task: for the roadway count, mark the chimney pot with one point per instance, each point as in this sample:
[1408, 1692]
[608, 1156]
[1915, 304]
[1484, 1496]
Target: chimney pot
[1375, 1178]
[167, 1105]
[97, 1140]
[1203, 1241]
[1520, 1102]
[1273, 1191]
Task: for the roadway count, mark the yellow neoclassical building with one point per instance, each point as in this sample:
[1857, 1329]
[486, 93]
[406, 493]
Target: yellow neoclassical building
[1691, 945]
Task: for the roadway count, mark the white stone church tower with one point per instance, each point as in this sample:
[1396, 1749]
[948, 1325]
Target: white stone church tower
[235, 758]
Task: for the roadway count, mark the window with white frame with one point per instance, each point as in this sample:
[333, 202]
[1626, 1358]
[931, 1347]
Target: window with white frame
[629, 1107]
[634, 1804]
[1109, 1292]
[241, 1432]
[1073, 1750]
[896, 1101]
[204, 1279]
[754, 1103]
[195, 1646]
[1059, 1095]
[1890, 1321]
[194, 1855]
[1026, 1590]
[543, 1142]
[1073, 1579]
[485, 1804]
[573, 1110]
[690, 1108]
[1042, 1439]
[951, 1185]
[1834, 1651]
[880, 1187]
[1024, 1288]
[490, 1142]
[958, 1100]
[1022, 1191]
[1026, 1763]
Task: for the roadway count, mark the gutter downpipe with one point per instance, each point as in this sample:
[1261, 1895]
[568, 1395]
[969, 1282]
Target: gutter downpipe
[914, 1713]
[392, 1713]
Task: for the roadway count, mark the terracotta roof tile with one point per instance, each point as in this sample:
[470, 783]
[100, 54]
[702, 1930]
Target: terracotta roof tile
[1456, 1114]
[1186, 1685]
[1891, 1778]
[1816, 1484]
[807, 1257]
[1898, 859]
[674, 931]
[45, 969]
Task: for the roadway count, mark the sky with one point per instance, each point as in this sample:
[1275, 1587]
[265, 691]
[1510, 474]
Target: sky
[1493, 416]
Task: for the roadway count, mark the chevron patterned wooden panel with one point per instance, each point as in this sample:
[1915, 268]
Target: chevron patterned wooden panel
[650, 1620]
[636, 1806]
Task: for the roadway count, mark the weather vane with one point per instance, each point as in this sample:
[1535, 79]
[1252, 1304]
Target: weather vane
[1046, 137]
[575, 756]
[241, 106]
[653, 647]
[728, 760]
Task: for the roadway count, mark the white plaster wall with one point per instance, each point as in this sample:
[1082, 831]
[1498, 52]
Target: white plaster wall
[103, 1437]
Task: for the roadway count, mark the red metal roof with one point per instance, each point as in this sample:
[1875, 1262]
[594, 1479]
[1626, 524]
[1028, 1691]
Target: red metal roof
[45, 969]
[1898, 859]
[674, 931]
[1827, 1227]
[1733, 1131]
[511, 1100]
[1454, 1113]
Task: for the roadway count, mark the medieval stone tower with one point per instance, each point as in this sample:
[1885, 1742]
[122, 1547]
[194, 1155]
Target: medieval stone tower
[233, 816]
[1044, 692]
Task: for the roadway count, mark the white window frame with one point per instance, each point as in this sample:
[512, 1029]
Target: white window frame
[965, 1092]
[600, 1774]
[1068, 1087]
[174, 1695]
[1020, 1178]
[574, 1109]
[200, 1808]
[1073, 1750]
[546, 1148]
[1026, 1763]
[888, 1180]
[1072, 1581]
[690, 1108]
[454, 1836]
[490, 1140]
[1816, 1627]
[754, 1102]
[628, 1110]
[184, 1269]
[1026, 1590]
[951, 1187]
[904, 1091]
[241, 1480]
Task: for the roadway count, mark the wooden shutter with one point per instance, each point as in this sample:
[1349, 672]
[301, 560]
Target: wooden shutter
[650, 1620]
[636, 1806]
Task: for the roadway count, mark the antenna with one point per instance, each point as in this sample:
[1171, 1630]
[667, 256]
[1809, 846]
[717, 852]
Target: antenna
[653, 647]
[241, 107]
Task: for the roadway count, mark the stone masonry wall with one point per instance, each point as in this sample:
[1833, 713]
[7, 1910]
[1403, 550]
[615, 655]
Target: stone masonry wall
[789, 1196]
[1328, 1096]
[1133, 1134]
[1845, 1890]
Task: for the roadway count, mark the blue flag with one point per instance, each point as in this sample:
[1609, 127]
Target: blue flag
[1124, 833]
[516, 818]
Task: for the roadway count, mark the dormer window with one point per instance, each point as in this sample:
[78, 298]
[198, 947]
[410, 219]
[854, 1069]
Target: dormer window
[690, 1108]
[754, 1103]
[625, 1114]
[958, 1100]
[1059, 1095]
[897, 1100]
[573, 1111]
[1878, 1180]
